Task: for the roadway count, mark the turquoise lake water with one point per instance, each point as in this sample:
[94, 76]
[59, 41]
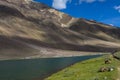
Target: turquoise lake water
[35, 69]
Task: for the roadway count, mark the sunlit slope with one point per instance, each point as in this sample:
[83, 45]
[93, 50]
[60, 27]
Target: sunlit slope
[24, 23]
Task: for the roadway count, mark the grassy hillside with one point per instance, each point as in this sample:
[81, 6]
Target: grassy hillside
[89, 70]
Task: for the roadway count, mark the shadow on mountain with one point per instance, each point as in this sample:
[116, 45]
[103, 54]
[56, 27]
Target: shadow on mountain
[65, 46]
[36, 24]
[11, 48]
[9, 11]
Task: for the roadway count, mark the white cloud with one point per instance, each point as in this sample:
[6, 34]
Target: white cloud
[111, 24]
[117, 8]
[101, 0]
[87, 1]
[114, 21]
[90, 1]
[60, 4]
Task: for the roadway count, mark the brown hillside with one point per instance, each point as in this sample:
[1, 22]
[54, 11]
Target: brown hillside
[26, 27]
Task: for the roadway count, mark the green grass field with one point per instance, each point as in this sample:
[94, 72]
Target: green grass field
[88, 70]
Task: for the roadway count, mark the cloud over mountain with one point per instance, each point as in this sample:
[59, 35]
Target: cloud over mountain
[60, 4]
[117, 8]
[90, 1]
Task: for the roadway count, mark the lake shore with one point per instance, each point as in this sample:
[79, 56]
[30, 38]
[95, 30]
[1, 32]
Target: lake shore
[51, 53]
[82, 70]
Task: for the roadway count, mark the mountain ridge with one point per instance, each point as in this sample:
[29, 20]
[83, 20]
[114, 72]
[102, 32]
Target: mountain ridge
[38, 25]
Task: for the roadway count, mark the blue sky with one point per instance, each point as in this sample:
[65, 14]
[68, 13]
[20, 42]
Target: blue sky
[106, 11]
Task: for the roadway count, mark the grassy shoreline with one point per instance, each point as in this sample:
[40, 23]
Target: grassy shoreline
[88, 70]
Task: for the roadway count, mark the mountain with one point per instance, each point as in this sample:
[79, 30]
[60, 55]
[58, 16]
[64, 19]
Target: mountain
[97, 30]
[32, 29]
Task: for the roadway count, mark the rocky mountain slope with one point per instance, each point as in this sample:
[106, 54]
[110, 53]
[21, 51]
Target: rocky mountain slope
[97, 30]
[29, 28]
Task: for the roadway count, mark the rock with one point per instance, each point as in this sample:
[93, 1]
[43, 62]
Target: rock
[107, 61]
[104, 69]
[111, 69]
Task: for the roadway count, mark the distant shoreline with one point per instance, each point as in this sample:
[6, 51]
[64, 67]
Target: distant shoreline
[37, 57]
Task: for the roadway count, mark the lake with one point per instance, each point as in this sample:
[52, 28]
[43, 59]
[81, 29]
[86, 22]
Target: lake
[36, 69]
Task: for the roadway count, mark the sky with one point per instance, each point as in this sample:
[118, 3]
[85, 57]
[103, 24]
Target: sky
[106, 11]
